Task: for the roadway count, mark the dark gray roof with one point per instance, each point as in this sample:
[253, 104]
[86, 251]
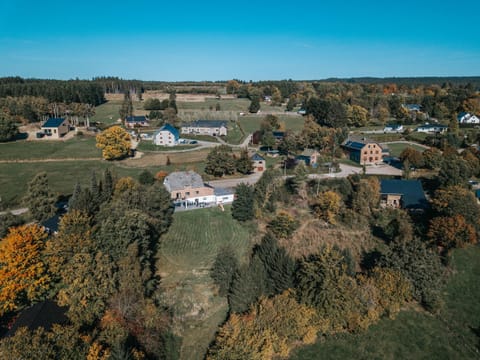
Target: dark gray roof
[412, 193]
[138, 118]
[224, 191]
[357, 143]
[256, 157]
[53, 122]
[206, 123]
[179, 180]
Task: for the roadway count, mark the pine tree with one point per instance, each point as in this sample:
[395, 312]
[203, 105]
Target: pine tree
[278, 265]
[224, 269]
[249, 283]
[242, 206]
[39, 199]
[244, 164]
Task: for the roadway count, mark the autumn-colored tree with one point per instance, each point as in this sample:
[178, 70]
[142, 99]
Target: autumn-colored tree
[366, 196]
[271, 329]
[432, 158]
[114, 142]
[283, 225]
[357, 115]
[74, 236]
[23, 274]
[327, 206]
[457, 200]
[414, 157]
[451, 232]
[88, 282]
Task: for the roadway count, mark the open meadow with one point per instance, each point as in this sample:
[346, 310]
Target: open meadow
[251, 123]
[453, 333]
[187, 252]
[79, 147]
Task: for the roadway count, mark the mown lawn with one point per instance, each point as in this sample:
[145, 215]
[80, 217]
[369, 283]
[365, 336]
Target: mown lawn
[240, 105]
[186, 255]
[147, 145]
[251, 123]
[397, 148]
[77, 147]
[451, 334]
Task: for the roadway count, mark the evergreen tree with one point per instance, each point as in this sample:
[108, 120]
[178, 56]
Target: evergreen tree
[107, 188]
[278, 266]
[220, 161]
[254, 105]
[146, 178]
[242, 206]
[244, 164]
[8, 129]
[422, 267]
[39, 199]
[264, 192]
[223, 269]
[249, 283]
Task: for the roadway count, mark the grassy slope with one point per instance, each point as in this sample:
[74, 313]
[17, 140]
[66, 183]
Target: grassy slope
[419, 335]
[107, 113]
[187, 253]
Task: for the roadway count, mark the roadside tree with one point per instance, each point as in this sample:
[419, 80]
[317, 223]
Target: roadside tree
[114, 142]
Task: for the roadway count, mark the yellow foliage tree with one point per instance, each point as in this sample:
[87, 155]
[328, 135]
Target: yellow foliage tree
[327, 206]
[271, 329]
[22, 271]
[114, 142]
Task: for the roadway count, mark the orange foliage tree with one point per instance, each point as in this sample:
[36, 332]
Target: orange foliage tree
[448, 232]
[23, 275]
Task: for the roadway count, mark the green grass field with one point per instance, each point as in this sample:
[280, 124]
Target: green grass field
[147, 145]
[187, 253]
[251, 123]
[240, 105]
[77, 147]
[416, 334]
[397, 148]
[62, 176]
[107, 113]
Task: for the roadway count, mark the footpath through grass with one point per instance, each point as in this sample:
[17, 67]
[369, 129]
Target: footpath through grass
[187, 252]
[450, 334]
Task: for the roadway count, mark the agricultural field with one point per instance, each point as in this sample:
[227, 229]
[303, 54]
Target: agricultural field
[77, 147]
[187, 252]
[453, 333]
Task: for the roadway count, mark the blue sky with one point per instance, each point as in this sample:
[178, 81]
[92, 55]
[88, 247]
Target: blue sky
[221, 40]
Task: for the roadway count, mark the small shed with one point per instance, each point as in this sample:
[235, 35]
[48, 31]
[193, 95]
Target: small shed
[55, 127]
[259, 163]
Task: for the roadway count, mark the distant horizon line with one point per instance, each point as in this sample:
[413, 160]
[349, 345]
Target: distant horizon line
[251, 81]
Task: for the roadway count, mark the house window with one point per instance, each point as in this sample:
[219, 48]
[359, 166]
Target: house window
[187, 193]
[197, 192]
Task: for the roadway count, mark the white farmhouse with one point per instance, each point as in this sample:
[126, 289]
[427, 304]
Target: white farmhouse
[167, 135]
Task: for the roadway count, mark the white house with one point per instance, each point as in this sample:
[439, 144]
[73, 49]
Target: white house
[205, 127]
[432, 128]
[467, 118]
[224, 195]
[167, 135]
[393, 128]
